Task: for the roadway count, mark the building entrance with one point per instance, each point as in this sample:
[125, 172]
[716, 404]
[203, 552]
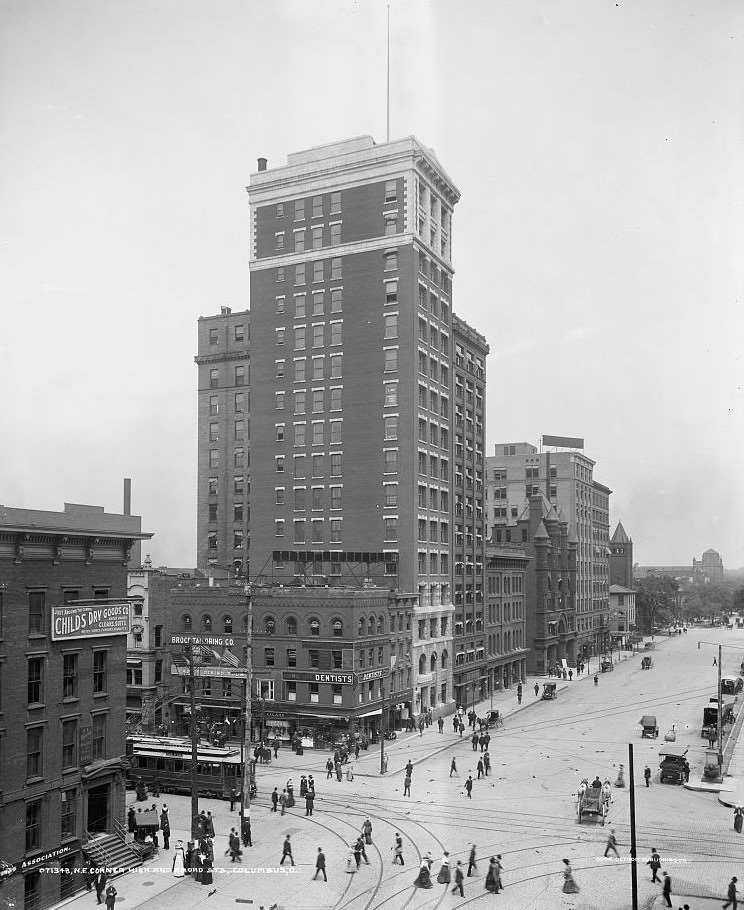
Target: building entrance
[98, 801]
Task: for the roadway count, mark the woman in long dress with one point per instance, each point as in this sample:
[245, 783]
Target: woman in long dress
[569, 885]
[444, 877]
[179, 857]
[492, 882]
[423, 880]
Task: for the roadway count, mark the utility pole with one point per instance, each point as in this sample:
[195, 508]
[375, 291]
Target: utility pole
[194, 746]
[383, 727]
[633, 858]
[245, 746]
[720, 716]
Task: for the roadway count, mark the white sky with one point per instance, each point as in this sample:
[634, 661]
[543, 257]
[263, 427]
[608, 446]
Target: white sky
[598, 244]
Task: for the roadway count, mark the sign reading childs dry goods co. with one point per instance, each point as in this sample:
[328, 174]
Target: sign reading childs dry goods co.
[90, 620]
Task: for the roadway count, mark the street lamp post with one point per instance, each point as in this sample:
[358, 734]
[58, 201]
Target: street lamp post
[245, 793]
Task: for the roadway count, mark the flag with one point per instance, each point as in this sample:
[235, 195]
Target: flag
[229, 658]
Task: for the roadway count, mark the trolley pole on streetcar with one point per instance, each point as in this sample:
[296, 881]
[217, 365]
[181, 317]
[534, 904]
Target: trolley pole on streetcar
[633, 858]
[245, 745]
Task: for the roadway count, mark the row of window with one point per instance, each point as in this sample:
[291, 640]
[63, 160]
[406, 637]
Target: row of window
[238, 334]
[438, 563]
[238, 512]
[36, 667]
[434, 466]
[320, 236]
[35, 746]
[437, 500]
[36, 607]
[317, 499]
[433, 400]
[430, 366]
[317, 530]
[318, 336]
[239, 377]
[429, 302]
[318, 303]
[239, 403]
[318, 462]
[317, 437]
[239, 458]
[372, 625]
[323, 269]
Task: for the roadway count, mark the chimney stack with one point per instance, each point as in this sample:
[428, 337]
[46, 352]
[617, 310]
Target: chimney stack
[262, 164]
[127, 496]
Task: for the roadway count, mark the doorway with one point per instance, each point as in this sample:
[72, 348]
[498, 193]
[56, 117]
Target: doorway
[98, 801]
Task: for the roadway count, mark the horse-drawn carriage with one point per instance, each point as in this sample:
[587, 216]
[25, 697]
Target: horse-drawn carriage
[593, 801]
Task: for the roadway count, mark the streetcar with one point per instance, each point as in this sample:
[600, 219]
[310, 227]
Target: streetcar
[166, 761]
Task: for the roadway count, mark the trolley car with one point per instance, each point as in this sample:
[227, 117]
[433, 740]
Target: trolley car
[167, 762]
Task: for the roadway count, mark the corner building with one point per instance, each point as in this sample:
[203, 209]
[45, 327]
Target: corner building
[351, 352]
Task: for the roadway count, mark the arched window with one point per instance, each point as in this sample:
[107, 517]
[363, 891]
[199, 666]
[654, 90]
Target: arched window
[362, 626]
[206, 623]
[433, 663]
[227, 625]
[422, 665]
[337, 627]
[380, 625]
[315, 626]
[371, 626]
[269, 624]
[186, 622]
[291, 625]
[445, 658]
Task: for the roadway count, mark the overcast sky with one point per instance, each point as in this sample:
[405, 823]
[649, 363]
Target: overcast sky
[598, 147]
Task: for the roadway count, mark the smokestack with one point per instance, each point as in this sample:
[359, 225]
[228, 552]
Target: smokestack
[127, 496]
[262, 164]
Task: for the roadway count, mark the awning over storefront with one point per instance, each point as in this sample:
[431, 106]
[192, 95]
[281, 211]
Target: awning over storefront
[134, 661]
[369, 713]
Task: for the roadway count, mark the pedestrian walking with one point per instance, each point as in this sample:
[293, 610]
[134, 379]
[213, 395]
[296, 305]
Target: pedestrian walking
[407, 785]
[596, 680]
[471, 861]
[444, 877]
[647, 775]
[480, 768]
[486, 762]
[311, 783]
[234, 848]
[210, 824]
[398, 850]
[320, 865]
[179, 860]
[611, 843]
[491, 879]
[131, 820]
[519, 694]
[276, 747]
[233, 800]
[309, 800]
[667, 889]
[423, 880]
[367, 831]
[474, 741]
[469, 786]
[357, 851]
[481, 741]
[245, 832]
[537, 689]
[459, 879]
[455, 723]
[362, 849]
[497, 870]
[453, 766]
[338, 771]
[421, 726]
[274, 799]
[283, 801]
[165, 827]
[440, 724]
[290, 794]
[461, 728]
[487, 740]
[110, 897]
[350, 772]
[715, 662]
[569, 885]
[570, 675]
[329, 769]
[655, 864]
[731, 894]
[409, 768]
[286, 851]
[100, 884]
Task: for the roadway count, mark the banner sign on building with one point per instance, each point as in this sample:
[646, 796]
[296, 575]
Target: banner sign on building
[313, 676]
[90, 621]
[34, 862]
[564, 442]
[223, 672]
[212, 641]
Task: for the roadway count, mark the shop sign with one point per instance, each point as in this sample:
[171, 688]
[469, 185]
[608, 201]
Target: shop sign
[86, 745]
[77, 621]
[215, 641]
[339, 679]
[27, 865]
[219, 672]
[371, 674]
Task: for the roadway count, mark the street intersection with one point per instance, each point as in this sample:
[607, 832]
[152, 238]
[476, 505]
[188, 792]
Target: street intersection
[525, 811]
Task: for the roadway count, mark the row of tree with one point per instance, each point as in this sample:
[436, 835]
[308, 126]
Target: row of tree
[661, 601]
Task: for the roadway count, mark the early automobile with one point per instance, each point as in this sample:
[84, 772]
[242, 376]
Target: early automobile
[649, 726]
[647, 663]
[712, 766]
[607, 666]
[550, 690]
[673, 765]
[731, 685]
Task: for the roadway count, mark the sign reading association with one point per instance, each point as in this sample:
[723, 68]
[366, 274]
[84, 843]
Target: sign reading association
[90, 621]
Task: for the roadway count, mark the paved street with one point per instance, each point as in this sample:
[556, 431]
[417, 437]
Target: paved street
[526, 810]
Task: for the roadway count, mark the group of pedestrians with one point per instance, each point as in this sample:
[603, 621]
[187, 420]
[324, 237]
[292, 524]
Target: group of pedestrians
[493, 882]
[285, 800]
